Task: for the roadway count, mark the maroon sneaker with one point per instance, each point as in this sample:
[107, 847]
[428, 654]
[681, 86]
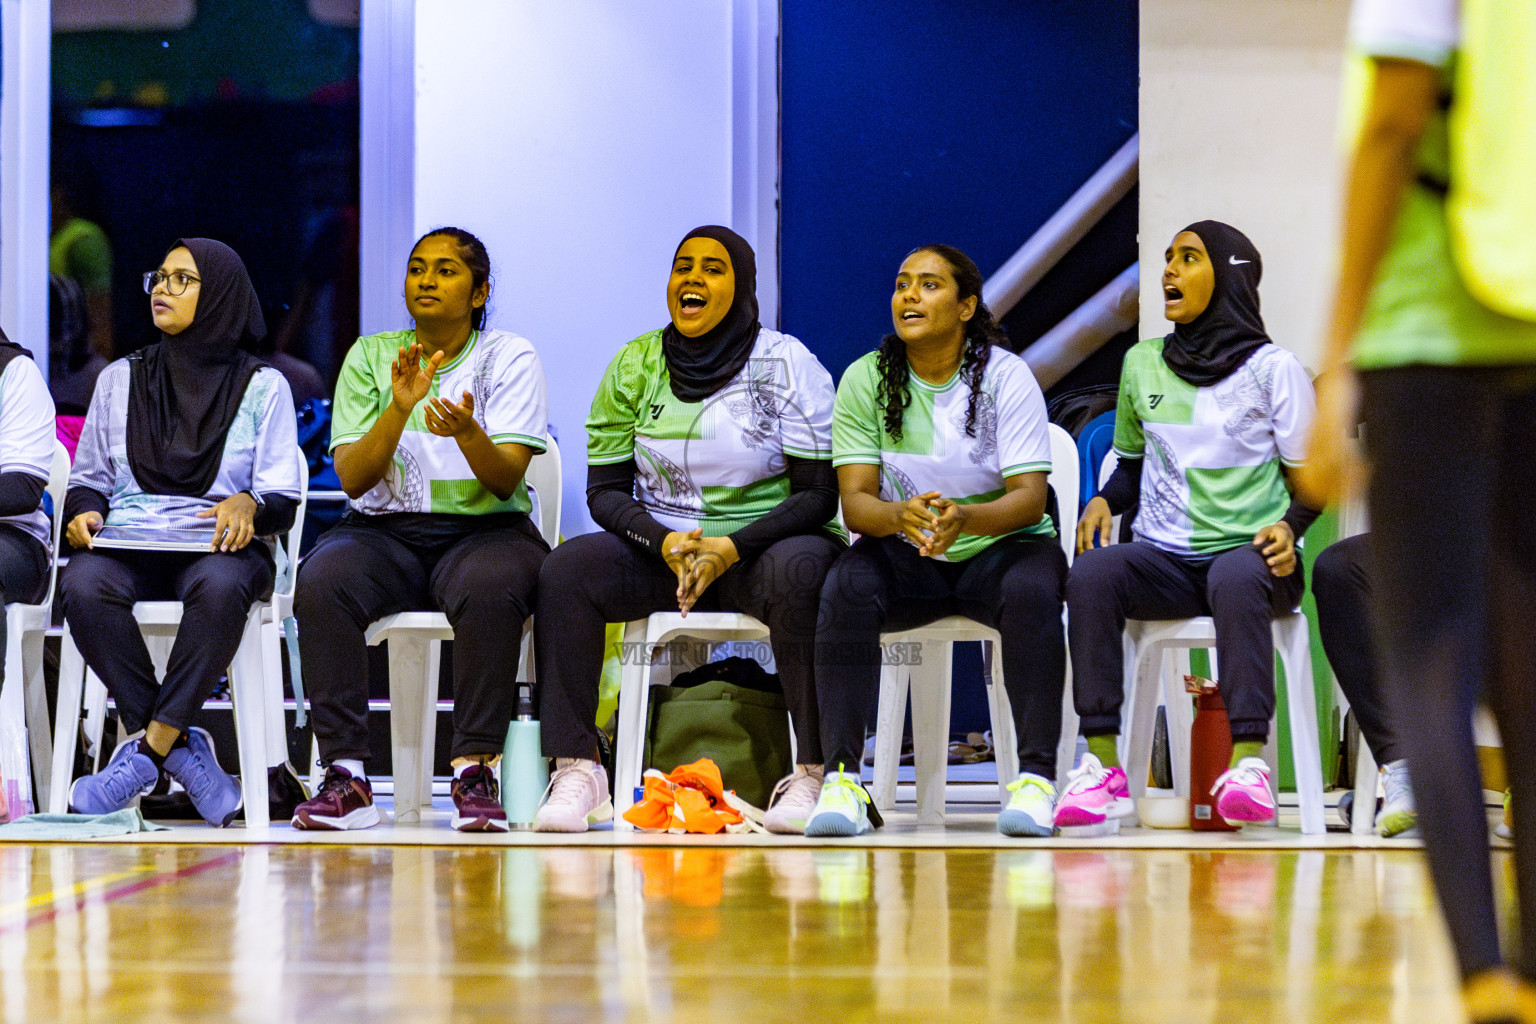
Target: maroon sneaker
[477, 801]
[343, 802]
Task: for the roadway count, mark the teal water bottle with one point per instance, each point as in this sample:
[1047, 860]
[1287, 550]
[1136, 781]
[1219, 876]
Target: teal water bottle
[524, 769]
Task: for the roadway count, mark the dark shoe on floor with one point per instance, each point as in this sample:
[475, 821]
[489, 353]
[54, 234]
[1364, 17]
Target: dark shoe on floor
[214, 792]
[285, 791]
[477, 801]
[342, 803]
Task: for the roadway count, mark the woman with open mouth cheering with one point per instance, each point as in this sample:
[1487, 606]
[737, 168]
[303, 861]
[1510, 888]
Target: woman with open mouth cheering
[709, 469]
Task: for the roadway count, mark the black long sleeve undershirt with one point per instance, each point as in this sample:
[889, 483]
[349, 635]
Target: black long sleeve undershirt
[20, 493]
[1123, 489]
[811, 504]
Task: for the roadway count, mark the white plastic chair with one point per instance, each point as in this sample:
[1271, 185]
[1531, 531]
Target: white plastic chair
[1150, 640]
[24, 696]
[415, 653]
[1353, 519]
[641, 637]
[929, 682]
[248, 679]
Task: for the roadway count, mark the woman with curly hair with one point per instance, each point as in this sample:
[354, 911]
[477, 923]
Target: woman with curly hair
[941, 449]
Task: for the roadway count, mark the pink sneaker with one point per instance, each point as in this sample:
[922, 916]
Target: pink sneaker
[1242, 793]
[1093, 794]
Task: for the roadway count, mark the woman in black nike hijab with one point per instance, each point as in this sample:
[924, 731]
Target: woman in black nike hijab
[195, 437]
[1208, 416]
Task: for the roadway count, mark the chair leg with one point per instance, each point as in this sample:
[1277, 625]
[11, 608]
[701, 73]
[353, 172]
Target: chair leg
[634, 697]
[889, 718]
[1181, 720]
[276, 742]
[429, 721]
[66, 723]
[247, 685]
[1066, 747]
[407, 677]
[1005, 742]
[929, 692]
[38, 736]
[1291, 640]
[1136, 741]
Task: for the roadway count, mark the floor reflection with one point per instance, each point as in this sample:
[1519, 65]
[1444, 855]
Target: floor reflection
[744, 934]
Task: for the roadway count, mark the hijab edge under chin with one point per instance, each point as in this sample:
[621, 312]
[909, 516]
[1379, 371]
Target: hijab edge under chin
[699, 367]
[1230, 329]
[185, 391]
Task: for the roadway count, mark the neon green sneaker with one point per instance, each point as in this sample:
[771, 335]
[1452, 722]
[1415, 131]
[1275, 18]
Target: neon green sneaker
[1399, 818]
[843, 808]
[1031, 809]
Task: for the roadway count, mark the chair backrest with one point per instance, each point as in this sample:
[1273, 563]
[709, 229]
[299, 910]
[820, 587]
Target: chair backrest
[295, 536]
[1063, 480]
[544, 480]
[1107, 470]
[58, 486]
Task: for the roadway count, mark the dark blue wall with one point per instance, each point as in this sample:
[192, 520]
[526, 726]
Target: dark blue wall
[959, 121]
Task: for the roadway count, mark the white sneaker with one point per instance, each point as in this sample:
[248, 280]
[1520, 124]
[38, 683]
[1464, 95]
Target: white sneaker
[794, 799]
[841, 807]
[577, 797]
[1031, 810]
[1399, 816]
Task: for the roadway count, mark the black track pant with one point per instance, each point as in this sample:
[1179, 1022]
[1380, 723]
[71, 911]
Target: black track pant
[1141, 581]
[485, 583]
[1341, 584]
[1453, 510]
[882, 585]
[217, 591]
[599, 578]
[23, 572]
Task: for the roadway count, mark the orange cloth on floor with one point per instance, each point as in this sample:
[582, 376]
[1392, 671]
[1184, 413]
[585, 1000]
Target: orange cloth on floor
[691, 797]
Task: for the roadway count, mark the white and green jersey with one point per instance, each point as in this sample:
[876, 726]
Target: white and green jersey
[26, 436]
[934, 453]
[1211, 456]
[718, 464]
[430, 473]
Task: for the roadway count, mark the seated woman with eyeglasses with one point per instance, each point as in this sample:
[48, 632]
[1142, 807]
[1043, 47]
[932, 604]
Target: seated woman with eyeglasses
[192, 434]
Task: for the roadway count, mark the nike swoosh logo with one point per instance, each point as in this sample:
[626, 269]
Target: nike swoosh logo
[1237, 262]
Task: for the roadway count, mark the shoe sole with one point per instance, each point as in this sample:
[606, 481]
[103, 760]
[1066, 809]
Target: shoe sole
[1397, 825]
[1074, 816]
[1018, 825]
[1241, 809]
[599, 814]
[363, 817]
[835, 825]
[479, 823]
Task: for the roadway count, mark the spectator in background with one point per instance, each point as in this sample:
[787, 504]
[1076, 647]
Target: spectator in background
[78, 249]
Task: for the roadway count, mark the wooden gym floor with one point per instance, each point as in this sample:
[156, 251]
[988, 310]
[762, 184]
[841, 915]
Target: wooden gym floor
[149, 931]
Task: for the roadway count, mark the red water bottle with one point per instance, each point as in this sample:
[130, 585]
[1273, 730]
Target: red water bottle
[1210, 753]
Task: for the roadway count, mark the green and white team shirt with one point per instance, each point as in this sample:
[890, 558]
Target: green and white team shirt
[430, 473]
[1211, 456]
[934, 453]
[718, 464]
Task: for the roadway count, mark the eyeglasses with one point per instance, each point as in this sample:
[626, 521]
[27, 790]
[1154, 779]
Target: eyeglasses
[175, 284]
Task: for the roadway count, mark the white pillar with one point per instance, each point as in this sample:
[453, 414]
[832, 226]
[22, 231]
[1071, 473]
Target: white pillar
[387, 152]
[755, 142]
[25, 38]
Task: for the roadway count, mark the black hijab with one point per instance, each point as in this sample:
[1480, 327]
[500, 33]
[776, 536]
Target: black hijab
[183, 393]
[701, 366]
[10, 350]
[1222, 338]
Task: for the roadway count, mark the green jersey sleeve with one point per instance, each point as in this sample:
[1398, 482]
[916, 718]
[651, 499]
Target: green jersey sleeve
[616, 406]
[1130, 441]
[356, 406]
[857, 422]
